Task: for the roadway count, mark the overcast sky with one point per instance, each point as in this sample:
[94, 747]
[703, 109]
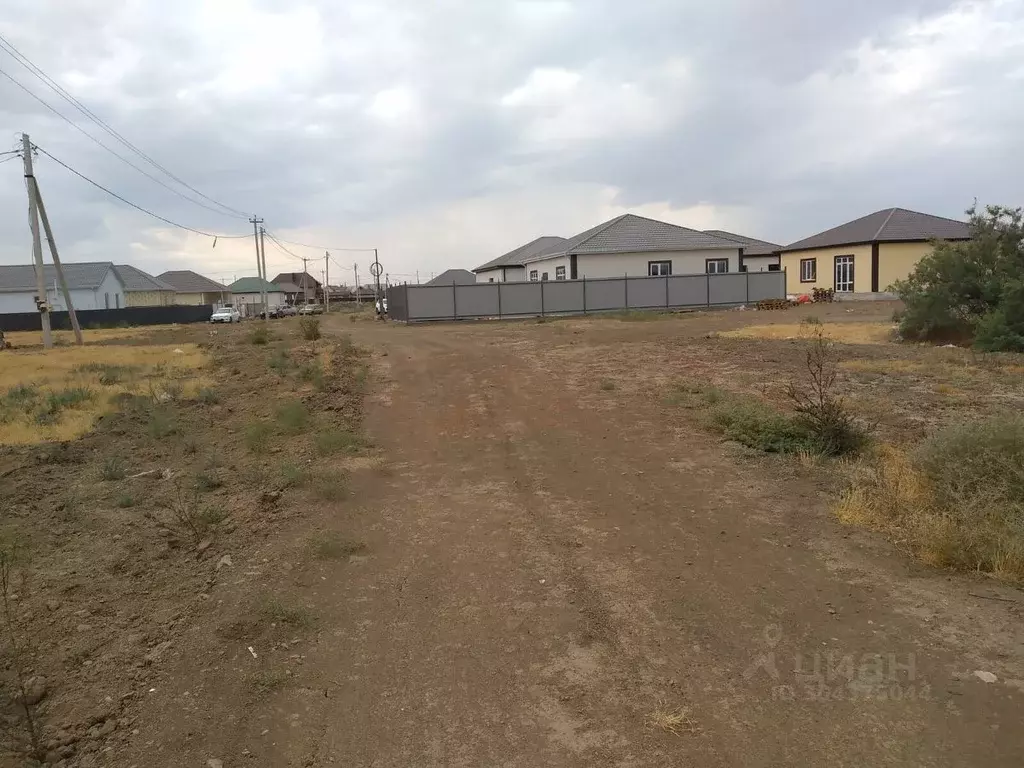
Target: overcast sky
[446, 133]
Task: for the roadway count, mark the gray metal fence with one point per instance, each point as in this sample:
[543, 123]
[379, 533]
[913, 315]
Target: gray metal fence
[414, 303]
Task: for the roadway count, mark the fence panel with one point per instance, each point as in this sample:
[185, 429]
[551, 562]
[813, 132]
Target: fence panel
[646, 292]
[563, 296]
[560, 297]
[109, 318]
[728, 289]
[479, 300]
[521, 299]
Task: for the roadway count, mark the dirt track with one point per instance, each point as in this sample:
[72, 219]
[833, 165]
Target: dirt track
[551, 563]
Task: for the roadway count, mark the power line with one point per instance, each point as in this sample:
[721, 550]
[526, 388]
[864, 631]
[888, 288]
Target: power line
[22, 59]
[15, 157]
[327, 247]
[92, 138]
[133, 205]
[273, 241]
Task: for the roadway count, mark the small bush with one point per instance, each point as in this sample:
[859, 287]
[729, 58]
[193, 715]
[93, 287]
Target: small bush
[957, 501]
[279, 361]
[310, 328]
[757, 425]
[22, 396]
[330, 546]
[331, 441]
[330, 484]
[293, 476]
[209, 396]
[257, 435]
[293, 417]
[206, 482]
[113, 469]
[124, 501]
[260, 335]
[162, 423]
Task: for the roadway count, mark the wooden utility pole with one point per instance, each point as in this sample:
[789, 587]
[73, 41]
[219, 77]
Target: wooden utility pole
[37, 245]
[256, 239]
[56, 264]
[327, 281]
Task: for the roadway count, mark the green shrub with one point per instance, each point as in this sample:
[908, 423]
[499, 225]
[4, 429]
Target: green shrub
[209, 396]
[293, 476]
[257, 435]
[293, 416]
[162, 423]
[113, 469]
[279, 361]
[310, 328]
[260, 335]
[331, 441]
[124, 501]
[330, 484]
[970, 290]
[757, 425]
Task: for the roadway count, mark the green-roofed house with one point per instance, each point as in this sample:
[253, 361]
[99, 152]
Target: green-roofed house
[248, 298]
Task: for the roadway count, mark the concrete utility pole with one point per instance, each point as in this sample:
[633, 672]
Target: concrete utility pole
[305, 294]
[263, 256]
[327, 281]
[57, 265]
[37, 246]
[256, 239]
[355, 268]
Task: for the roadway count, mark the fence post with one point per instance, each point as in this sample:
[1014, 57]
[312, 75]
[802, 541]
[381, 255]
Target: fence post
[584, 294]
[625, 283]
[455, 306]
[748, 286]
[707, 276]
[666, 293]
[499, 300]
[542, 298]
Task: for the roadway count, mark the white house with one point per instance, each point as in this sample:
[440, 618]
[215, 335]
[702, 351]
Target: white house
[758, 255]
[248, 299]
[92, 285]
[637, 247]
[509, 267]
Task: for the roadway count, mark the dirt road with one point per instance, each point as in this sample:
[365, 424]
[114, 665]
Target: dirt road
[561, 572]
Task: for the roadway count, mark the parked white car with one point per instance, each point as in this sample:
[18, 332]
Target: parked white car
[225, 315]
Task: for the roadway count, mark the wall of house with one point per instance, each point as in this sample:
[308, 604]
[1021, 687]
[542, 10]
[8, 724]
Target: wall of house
[148, 298]
[897, 260]
[255, 300]
[512, 274]
[826, 268]
[759, 263]
[594, 265]
[491, 275]
[17, 302]
[191, 299]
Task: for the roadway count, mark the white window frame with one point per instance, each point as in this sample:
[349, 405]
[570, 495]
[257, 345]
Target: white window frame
[716, 263]
[659, 268]
[809, 270]
[533, 276]
[844, 274]
[559, 273]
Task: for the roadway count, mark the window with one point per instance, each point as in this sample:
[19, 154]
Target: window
[117, 300]
[106, 301]
[717, 266]
[774, 268]
[559, 273]
[808, 270]
[844, 274]
[659, 268]
[544, 276]
[533, 275]
[490, 280]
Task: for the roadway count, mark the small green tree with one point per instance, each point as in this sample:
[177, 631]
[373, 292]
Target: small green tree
[971, 290]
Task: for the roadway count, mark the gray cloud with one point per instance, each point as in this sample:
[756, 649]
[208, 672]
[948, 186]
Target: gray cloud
[381, 122]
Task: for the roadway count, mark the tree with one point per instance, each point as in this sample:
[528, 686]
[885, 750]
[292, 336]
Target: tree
[971, 290]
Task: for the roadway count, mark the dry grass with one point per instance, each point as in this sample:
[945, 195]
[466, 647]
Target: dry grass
[61, 338]
[677, 722]
[844, 333]
[957, 501]
[164, 370]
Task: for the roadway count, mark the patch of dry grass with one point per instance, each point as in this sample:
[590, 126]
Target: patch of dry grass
[957, 501]
[61, 338]
[844, 333]
[158, 370]
[677, 722]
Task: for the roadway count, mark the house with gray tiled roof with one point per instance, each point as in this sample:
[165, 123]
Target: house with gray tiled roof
[635, 246]
[92, 285]
[141, 289]
[866, 255]
[509, 267]
[758, 255]
[195, 290]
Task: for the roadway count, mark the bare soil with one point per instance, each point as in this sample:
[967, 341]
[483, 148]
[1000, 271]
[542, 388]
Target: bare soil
[538, 563]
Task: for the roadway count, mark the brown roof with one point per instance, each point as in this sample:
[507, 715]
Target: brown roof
[890, 225]
[187, 281]
[751, 245]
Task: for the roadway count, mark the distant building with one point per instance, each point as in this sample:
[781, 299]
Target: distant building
[454, 276]
[247, 295]
[193, 289]
[142, 289]
[298, 287]
[92, 285]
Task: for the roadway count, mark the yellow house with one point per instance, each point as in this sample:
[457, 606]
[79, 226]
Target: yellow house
[142, 289]
[866, 255]
[193, 289]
